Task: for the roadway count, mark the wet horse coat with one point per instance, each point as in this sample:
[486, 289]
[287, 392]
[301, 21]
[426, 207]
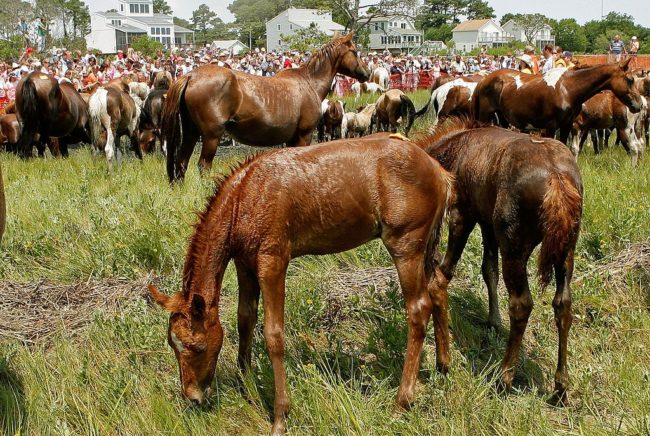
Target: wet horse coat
[329, 127]
[552, 101]
[452, 98]
[392, 109]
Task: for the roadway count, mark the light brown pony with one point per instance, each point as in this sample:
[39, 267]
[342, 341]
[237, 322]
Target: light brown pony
[329, 127]
[113, 114]
[551, 101]
[254, 110]
[162, 80]
[522, 191]
[392, 108]
[357, 124]
[605, 111]
[289, 203]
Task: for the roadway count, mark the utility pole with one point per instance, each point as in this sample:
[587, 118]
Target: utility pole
[602, 9]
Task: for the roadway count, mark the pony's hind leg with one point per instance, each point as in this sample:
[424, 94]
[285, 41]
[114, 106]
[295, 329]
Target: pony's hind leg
[249, 296]
[490, 270]
[208, 150]
[520, 306]
[563, 320]
[271, 272]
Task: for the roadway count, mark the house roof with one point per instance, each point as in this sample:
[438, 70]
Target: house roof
[304, 17]
[323, 25]
[129, 29]
[111, 14]
[179, 29]
[470, 25]
[226, 44]
[157, 19]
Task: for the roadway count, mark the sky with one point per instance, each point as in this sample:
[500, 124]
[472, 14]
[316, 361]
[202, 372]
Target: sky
[581, 10]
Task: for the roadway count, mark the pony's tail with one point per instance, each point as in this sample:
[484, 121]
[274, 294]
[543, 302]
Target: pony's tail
[171, 120]
[97, 107]
[408, 112]
[30, 118]
[447, 180]
[560, 218]
[425, 109]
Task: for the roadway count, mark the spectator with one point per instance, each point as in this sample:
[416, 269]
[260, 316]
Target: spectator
[458, 67]
[530, 51]
[617, 48]
[549, 54]
[525, 64]
[42, 30]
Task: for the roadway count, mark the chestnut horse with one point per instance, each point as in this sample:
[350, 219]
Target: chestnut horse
[319, 200]
[329, 126]
[50, 109]
[452, 98]
[262, 111]
[149, 127]
[114, 113]
[522, 191]
[393, 107]
[551, 101]
[10, 136]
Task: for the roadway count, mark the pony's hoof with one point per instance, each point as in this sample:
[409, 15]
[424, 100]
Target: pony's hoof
[279, 428]
[559, 398]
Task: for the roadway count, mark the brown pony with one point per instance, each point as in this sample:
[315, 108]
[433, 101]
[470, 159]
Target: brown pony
[522, 191]
[551, 101]
[254, 110]
[162, 80]
[394, 106]
[50, 109]
[113, 114]
[329, 127]
[451, 99]
[149, 127]
[441, 80]
[10, 136]
[326, 199]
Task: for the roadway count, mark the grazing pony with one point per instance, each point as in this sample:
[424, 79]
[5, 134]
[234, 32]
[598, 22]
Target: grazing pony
[114, 113]
[393, 108]
[522, 191]
[50, 110]
[254, 110]
[605, 111]
[162, 80]
[10, 132]
[318, 200]
[329, 127]
[381, 77]
[552, 101]
[367, 87]
[149, 128]
[358, 123]
[452, 98]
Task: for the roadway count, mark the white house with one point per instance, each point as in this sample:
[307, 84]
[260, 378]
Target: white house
[471, 34]
[395, 34]
[113, 31]
[541, 37]
[292, 20]
[232, 46]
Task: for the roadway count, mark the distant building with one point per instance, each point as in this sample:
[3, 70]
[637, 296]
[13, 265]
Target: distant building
[395, 34]
[113, 31]
[540, 39]
[292, 20]
[471, 34]
[233, 46]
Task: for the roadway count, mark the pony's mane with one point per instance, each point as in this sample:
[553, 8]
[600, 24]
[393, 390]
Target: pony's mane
[325, 53]
[434, 140]
[200, 237]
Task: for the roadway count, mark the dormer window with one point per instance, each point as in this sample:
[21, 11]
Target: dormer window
[121, 8]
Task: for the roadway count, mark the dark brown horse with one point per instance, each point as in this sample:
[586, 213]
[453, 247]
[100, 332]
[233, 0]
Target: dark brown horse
[392, 109]
[325, 199]
[114, 114]
[50, 109]
[329, 126]
[551, 101]
[254, 110]
[10, 136]
[150, 121]
[521, 191]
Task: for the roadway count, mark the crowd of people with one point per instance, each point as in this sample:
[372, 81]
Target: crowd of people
[85, 69]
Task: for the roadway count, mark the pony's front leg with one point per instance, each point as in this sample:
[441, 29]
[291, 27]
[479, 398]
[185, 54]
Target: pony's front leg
[271, 272]
[109, 148]
[135, 144]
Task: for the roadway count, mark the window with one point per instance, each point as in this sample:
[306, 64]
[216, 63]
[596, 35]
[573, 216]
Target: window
[116, 22]
[132, 8]
[279, 28]
[121, 8]
[383, 40]
[403, 25]
[279, 42]
[146, 9]
[290, 26]
[168, 31]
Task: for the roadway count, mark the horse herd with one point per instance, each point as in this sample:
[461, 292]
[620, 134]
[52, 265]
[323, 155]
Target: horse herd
[521, 190]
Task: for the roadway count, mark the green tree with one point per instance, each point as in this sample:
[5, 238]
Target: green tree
[435, 13]
[146, 45]
[79, 16]
[530, 24]
[506, 17]
[479, 10]
[201, 19]
[310, 38]
[570, 35]
[442, 33]
[11, 48]
[162, 7]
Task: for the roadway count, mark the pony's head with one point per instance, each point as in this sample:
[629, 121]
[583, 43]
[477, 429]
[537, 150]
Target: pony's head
[622, 84]
[195, 335]
[350, 63]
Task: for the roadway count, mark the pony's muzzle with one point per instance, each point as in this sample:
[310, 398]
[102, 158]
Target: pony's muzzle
[195, 395]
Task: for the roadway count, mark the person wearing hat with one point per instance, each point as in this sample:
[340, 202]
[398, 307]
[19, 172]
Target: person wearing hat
[525, 64]
[567, 56]
[633, 49]
[530, 51]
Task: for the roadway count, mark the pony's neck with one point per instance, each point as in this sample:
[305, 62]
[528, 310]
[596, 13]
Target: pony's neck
[588, 82]
[210, 252]
[321, 72]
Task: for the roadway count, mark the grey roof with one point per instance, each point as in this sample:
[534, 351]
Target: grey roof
[128, 28]
[157, 19]
[110, 14]
[179, 29]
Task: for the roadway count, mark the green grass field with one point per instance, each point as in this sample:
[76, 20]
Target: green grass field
[69, 221]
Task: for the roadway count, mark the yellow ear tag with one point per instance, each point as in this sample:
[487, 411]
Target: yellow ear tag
[398, 136]
[165, 95]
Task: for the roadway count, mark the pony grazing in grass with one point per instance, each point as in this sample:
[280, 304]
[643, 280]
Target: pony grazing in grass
[326, 199]
[262, 111]
[521, 191]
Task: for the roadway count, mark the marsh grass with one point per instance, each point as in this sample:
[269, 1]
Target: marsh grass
[70, 221]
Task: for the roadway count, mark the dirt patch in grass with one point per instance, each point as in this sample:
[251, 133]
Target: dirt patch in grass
[33, 312]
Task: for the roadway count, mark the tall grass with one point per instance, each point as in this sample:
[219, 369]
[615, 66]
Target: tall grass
[69, 220]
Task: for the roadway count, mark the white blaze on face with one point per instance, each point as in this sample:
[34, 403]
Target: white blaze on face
[177, 342]
[553, 76]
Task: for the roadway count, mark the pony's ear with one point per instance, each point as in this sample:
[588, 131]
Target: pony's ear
[336, 35]
[625, 65]
[348, 37]
[169, 303]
